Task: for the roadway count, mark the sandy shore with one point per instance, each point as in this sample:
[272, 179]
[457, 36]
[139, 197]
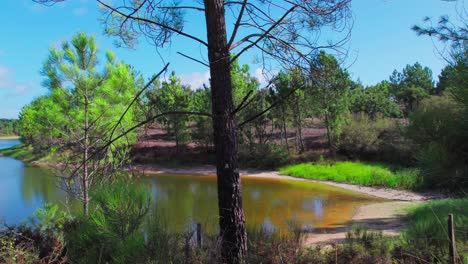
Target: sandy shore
[385, 193]
[387, 216]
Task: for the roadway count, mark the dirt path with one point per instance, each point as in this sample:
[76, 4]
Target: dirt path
[387, 216]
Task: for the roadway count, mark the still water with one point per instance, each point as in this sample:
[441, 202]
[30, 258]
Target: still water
[185, 199]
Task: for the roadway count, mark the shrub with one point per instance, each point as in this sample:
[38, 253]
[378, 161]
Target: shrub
[112, 230]
[263, 156]
[374, 139]
[15, 248]
[436, 129]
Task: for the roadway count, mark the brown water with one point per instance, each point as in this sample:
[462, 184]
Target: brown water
[183, 200]
[273, 204]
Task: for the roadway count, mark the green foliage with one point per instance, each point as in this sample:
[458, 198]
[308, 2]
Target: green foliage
[8, 127]
[440, 129]
[356, 173]
[374, 100]
[172, 96]
[436, 128]
[425, 236]
[411, 85]
[366, 246]
[201, 102]
[49, 219]
[58, 117]
[112, 231]
[14, 250]
[263, 156]
[375, 139]
[330, 96]
[289, 88]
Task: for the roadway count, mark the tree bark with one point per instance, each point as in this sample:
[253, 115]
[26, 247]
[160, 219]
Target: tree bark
[231, 215]
[85, 159]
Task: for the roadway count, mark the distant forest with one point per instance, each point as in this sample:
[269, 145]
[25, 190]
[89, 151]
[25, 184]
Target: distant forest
[8, 127]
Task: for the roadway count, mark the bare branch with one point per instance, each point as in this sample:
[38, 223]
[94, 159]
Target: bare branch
[141, 19]
[191, 58]
[265, 34]
[236, 26]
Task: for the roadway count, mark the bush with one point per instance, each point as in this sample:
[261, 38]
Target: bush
[263, 156]
[436, 129]
[374, 139]
[16, 248]
[112, 230]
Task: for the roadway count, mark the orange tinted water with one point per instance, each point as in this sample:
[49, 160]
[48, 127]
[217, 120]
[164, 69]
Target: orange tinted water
[273, 204]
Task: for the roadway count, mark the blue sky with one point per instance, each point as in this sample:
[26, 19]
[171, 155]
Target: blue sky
[381, 41]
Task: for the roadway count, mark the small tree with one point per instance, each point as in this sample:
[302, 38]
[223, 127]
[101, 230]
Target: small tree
[80, 113]
[330, 90]
[172, 96]
[412, 85]
[374, 100]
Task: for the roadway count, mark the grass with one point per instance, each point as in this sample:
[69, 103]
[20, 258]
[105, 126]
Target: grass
[356, 173]
[9, 137]
[427, 229]
[26, 153]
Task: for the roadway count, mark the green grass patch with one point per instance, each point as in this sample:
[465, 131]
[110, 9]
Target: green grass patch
[357, 173]
[427, 229]
[28, 154]
[9, 137]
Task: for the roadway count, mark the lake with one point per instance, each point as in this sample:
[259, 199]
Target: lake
[273, 204]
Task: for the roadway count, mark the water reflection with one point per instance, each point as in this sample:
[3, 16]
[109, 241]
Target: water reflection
[184, 200]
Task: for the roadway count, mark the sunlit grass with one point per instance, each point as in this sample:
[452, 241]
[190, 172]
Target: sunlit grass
[26, 153]
[9, 137]
[427, 228]
[356, 173]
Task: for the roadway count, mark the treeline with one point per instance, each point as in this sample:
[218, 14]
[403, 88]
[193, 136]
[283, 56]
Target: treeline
[407, 120]
[271, 119]
[8, 127]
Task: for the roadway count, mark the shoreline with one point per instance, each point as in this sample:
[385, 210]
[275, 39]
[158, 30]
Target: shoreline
[387, 216]
[384, 193]
[10, 137]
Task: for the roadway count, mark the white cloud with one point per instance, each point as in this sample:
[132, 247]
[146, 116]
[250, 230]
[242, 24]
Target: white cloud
[80, 11]
[263, 76]
[12, 87]
[4, 75]
[195, 79]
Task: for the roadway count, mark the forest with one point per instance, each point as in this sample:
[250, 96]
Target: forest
[8, 127]
[101, 121]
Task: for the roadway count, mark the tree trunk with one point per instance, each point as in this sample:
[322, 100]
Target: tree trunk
[85, 159]
[298, 124]
[331, 143]
[231, 215]
[284, 128]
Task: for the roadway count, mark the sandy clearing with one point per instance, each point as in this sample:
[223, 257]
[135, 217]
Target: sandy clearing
[388, 217]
